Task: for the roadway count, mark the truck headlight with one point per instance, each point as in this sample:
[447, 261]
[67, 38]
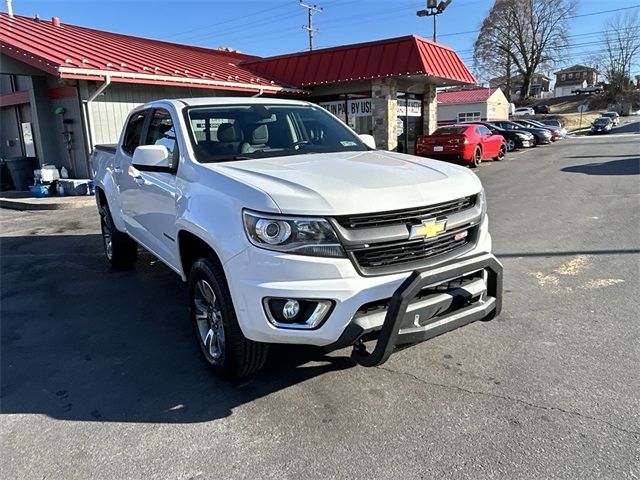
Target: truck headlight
[296, 235]
[483, 202]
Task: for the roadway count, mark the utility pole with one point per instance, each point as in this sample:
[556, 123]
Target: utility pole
[311, 9]
[434, 8]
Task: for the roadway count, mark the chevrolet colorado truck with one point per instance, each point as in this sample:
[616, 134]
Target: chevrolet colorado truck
[291, 228]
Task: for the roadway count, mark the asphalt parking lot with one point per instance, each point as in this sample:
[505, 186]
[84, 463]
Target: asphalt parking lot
[101, 377]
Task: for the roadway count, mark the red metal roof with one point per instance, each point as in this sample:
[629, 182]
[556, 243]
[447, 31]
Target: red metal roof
[410, 55]
[466, 96]
[83, 53]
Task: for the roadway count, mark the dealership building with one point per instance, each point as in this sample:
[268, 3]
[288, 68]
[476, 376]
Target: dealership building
[65, 88]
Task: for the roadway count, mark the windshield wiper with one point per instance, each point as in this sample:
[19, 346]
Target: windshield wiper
[233, 158]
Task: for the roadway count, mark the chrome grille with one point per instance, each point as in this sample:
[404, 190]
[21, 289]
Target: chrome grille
[400, 253]
[409, 215]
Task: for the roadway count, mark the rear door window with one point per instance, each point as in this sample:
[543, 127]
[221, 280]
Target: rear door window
[134, 131]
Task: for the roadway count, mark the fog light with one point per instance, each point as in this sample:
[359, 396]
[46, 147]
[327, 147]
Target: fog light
[303, 314]
[291, 309]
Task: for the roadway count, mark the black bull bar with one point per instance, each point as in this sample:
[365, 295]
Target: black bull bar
[391, 334]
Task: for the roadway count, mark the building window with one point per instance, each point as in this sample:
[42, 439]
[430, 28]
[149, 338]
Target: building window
[469, 117]
[571, 75]
[563, 77]
[584, 74]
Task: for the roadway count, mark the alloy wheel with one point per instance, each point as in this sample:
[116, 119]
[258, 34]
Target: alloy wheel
[477, 157]
[511, 145]
[106, 237]
[208, 316]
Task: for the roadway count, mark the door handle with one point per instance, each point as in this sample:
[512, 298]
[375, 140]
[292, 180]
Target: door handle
[117, 170]
[139, 180]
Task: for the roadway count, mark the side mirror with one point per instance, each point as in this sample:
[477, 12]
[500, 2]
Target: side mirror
[152, 158]
[368, 141]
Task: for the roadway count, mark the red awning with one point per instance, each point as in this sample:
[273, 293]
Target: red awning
[395, 57]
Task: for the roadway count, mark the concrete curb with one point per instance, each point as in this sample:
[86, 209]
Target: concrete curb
[36, 204]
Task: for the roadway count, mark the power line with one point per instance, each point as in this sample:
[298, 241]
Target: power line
[226, 22]
[572, 16]
[570, 46]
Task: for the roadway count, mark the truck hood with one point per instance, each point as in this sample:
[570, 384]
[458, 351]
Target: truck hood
[352, 182]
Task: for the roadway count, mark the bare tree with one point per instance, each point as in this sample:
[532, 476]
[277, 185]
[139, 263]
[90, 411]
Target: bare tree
[525, 35]
[621, 46]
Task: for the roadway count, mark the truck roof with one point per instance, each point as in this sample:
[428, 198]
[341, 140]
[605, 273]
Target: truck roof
[243, 100]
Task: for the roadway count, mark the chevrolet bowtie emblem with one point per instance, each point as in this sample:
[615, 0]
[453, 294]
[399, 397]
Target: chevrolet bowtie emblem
[428, 229]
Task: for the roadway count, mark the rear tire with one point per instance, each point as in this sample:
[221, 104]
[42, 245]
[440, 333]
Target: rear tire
[501, 153]
[119, 248]
[477, 158]
[223, 345]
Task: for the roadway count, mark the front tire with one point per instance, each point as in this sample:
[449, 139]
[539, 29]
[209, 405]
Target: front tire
[224, 347]
[501, 153]
[119, 248]
[511, 145]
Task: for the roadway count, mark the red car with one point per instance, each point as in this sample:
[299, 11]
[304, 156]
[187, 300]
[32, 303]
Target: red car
[467, 143]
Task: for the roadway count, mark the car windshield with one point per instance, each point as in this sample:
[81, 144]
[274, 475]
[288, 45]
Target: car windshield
[609, 114]
[222, 133]
[508, 125]
[449, 131]
[553, 123]
[602, 121]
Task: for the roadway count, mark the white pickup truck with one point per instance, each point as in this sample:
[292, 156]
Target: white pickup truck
[291, 228]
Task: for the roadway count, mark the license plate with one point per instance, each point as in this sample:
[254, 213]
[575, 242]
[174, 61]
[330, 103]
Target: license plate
[438, 149]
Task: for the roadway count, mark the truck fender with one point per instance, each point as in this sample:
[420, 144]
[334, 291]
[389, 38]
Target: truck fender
[108, 186]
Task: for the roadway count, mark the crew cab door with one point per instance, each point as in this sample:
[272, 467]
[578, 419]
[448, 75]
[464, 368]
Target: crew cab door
[150, 200]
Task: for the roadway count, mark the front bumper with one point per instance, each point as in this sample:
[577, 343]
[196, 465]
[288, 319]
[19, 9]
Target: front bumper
[255, 274]
[420, 310]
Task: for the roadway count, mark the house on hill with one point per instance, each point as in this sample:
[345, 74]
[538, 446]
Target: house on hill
[571, 78]
[540, 86]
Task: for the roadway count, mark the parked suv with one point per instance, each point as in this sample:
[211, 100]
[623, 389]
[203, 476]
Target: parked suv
[614, 116]
[524, 111]
[290, 228]
[601, 125]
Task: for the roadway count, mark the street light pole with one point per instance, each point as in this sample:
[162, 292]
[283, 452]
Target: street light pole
[434, 8]
[434, 28]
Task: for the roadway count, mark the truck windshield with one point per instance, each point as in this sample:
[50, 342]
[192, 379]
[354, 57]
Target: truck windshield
[221, 133]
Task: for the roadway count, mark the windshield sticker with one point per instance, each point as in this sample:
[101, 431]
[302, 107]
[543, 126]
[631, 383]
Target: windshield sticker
[348, 143]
